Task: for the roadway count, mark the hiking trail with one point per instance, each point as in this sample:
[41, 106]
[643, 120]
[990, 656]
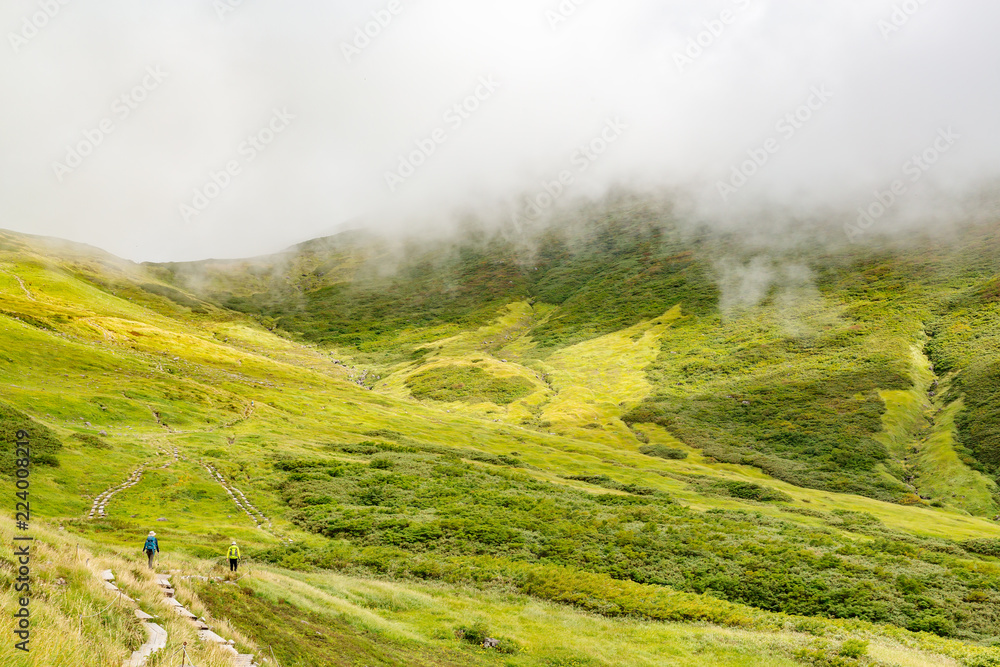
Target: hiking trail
[239, 498]
[24, 287]
[101, 501]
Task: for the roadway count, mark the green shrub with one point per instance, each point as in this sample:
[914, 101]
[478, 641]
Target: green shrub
[478, 633]
[751, 491]
[664, 452]
[984, 547]
[416, 520]
[45, 460]
[853, 648]
[382, 463]
[473, 634]
[90, 440]
[292, 465]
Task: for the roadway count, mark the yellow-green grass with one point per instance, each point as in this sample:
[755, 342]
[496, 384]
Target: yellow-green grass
[943, 475]
[342, 420]
[597, 381]
[906, 411]
[547, 632]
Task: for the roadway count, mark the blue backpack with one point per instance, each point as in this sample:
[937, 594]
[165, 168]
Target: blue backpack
[151, 544]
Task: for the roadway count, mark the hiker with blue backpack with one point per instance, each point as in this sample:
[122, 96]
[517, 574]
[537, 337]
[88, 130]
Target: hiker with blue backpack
[152, 547]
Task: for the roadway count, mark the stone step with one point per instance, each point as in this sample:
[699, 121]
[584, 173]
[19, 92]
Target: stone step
[141, 615]
[108, 575]
[159, 638]
[243, 660]
[156, 641]
[181, 611]
[209, 636]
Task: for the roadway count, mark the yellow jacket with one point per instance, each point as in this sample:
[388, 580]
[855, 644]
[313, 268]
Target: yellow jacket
[234, 552]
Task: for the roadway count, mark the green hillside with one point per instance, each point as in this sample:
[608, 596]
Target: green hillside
[622, 441]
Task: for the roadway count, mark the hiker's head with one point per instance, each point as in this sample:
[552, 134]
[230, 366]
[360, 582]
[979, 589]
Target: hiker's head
[152, 534]
[234, 543]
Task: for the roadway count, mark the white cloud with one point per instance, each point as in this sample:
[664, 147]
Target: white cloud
[559, 86]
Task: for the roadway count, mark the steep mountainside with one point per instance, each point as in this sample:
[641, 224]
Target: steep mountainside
[789, 360]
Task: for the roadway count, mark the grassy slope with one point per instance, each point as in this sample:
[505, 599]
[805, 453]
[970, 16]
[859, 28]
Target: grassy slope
[117, 361]
[794, 387]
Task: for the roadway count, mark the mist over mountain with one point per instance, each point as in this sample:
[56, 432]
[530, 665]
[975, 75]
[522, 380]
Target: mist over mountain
[233, 129]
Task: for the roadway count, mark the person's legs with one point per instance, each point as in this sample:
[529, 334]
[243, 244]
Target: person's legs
[232, 564]
[150, 552]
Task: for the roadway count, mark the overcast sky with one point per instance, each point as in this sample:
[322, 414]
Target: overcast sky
[184, 129]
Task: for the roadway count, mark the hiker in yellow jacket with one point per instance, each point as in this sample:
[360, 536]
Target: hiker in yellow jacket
[234, 556]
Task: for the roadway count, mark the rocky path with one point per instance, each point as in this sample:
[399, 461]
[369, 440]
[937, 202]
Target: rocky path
[239, 498]
[156, 636]
[97, 509]
[101, 501]
[205, 632]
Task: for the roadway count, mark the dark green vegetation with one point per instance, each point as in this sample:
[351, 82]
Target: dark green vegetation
[418, 504]
[818, 434]
[664, 452]
[468, 383]
[44, 443]
[744, 490]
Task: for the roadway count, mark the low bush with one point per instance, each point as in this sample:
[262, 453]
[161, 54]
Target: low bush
[751, 491]
[984, 547]
[608, 483]
[90, 440]
[664, 452]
